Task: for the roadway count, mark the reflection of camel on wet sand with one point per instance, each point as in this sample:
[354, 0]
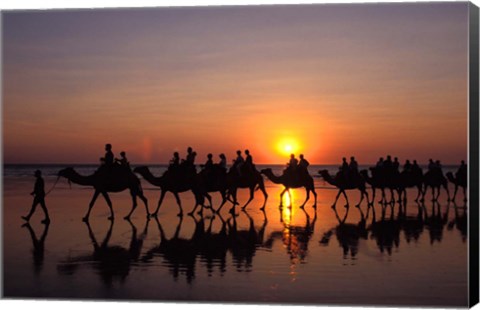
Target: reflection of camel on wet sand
[118, 180]
[342, 183]
[460, 221]
[243, 243]
[111, 261]
[303, 180]
[348, 235]
[174, 182]
[295, 238]
[179, 254]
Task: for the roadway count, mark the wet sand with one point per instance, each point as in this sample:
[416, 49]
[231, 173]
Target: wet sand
[280, 256]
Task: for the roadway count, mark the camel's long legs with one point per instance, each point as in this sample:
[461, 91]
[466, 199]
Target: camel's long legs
[179, 203]
[252, 189]
[162, 195]
[134, 206]
[109, 203]
[90, 206]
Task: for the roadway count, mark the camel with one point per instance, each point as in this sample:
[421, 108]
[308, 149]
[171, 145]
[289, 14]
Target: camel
[175, 183]
[458, 181]
[343, 184]
[213, 181]
[116, 180]
[410, 179]
[288, 182]
[434, 180]
[248, 179]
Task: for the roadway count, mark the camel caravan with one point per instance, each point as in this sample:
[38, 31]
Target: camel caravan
[115, 175]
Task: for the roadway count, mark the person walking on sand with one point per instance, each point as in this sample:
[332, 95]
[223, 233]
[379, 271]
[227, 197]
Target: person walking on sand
[39, 198]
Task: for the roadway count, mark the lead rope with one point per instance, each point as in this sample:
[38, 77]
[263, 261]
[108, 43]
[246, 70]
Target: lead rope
[58, 178]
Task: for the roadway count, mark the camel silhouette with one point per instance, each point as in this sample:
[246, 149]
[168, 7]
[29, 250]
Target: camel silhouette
[410, 179]
[303, 180]
[458, 181]
[434, 180]
[355, 182]
[175, 182]
[251, 179]
[378, 181]
[117, 180]
[213, 181]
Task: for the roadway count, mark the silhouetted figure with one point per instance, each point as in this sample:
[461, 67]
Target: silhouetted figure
[249, 161]
[209, 163]
[175, 161]
[190, 159]
[303, 163]
[108, 158]
[38, 246]
[396, 164]
[380, 163]
[39, 198]
[388, 164]
[223, 161]
[293, 163]
[416, 168]
[407, 166]
[462, 170]
[431, 165]
[353, 166]
[439, 167]
[123, 161]
[238, 163]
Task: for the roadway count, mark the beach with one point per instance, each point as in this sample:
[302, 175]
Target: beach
[417, 256]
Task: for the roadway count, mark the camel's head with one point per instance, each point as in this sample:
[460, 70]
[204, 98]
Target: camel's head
[364, 173]
[323, 173]
[266, 171]
[67, 172]
[140, 169]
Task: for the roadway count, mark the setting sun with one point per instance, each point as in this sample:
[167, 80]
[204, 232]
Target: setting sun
[287, 146]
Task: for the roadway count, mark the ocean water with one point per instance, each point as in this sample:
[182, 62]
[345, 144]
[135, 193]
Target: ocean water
[412, 254]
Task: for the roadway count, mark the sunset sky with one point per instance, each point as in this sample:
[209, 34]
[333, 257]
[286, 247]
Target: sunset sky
[324, 80]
